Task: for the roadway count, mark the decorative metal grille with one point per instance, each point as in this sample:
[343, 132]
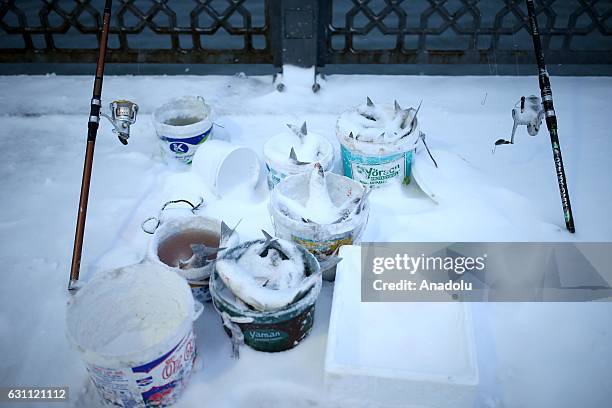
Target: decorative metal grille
[467, 31]
[348, 31]
[194, 31]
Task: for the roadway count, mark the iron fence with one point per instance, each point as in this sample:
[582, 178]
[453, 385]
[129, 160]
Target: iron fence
[466, 31]
[158, 31]
[306, 31]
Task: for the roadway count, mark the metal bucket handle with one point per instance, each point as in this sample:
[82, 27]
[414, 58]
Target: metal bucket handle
[422, 137]
[157, 219]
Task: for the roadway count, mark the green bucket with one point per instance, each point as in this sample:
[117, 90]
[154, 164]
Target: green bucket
[271, 331]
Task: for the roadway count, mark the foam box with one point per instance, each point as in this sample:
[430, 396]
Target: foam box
[397, 354]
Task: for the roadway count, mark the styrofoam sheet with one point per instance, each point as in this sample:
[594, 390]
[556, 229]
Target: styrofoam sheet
[397, 354]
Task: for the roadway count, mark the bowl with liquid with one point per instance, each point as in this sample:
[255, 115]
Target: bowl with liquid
[170, 246]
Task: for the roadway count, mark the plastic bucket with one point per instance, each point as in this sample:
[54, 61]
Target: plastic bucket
[223, 166]
[276, 153]
[374, 164]
[182, 124]
[271, 331]
[322, 240]
[198, 278]
[133, 328]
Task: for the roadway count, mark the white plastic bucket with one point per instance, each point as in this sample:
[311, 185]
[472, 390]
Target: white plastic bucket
[374, 164]
[198, 278]
[182, 124]
[133, 327]
[322, 240]
[223, 166]
[279, 167]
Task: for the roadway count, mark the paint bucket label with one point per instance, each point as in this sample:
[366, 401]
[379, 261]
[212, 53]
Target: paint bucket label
[274, 177]
[324, 248]
[157, 383]
[201, 293]
[374, 171]
[278, 336]
[182, 149]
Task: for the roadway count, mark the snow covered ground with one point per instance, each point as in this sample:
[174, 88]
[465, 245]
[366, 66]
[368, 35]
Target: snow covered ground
[530, 355]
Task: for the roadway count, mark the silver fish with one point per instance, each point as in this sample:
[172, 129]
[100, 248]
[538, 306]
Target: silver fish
[200, 256]
[299, 132]
[294, 159]
[271, 242]
[259, 297]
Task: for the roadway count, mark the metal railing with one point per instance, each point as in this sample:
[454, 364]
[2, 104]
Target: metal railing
[281, 31]
[467, 31]
[142, 31]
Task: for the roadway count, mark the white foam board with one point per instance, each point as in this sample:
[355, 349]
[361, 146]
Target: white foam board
[397, 354]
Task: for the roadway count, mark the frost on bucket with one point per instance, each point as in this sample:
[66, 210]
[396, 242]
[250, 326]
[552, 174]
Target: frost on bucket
[223, 166]
[188, 245]
[182, 125]
[294, 152]
[265, 291]
[133, 327]
[320, 211]
[377, 142]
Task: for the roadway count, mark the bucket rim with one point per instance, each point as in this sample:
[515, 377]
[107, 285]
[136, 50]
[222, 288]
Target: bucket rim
[254, 176]
[217, 285]
[291, 169]
[339, 228]
[158, 237]
[137, 357]
[367, 148]
[204, 125]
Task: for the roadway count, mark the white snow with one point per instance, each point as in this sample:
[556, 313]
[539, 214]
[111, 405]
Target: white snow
[317, 205]
[417, 350]
[307, 147]
[266, 277]
[544, 355]
[378, 124]
[120, 312]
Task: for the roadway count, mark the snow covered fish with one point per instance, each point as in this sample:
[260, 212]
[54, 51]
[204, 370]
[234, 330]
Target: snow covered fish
[268, 276]
[318, 207]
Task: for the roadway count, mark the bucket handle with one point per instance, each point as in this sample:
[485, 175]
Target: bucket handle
[422, 137]
[150, 229]
[198, 309]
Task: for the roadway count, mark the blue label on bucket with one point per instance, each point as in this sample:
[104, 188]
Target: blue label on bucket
[373, 171]
[183, 149]
[157, 383]
[274, 177]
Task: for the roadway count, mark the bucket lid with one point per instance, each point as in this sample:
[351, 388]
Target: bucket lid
[129, 314]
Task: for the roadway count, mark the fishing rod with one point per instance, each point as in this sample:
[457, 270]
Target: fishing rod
[123, 114]
[551, 117]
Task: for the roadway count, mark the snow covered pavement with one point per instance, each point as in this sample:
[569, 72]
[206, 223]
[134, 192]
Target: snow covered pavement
[540, 355]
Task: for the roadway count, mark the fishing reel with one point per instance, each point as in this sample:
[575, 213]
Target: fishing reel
[123, 115]
[527, 112]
